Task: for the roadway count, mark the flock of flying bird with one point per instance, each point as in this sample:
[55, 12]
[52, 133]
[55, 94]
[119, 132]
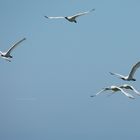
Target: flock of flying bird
[121, 88]
[7, 56]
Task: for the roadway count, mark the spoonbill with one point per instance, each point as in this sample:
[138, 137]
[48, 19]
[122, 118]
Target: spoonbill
[114, 89]
[130, 77]
[7, 55]
[71, 18]
[126, 86]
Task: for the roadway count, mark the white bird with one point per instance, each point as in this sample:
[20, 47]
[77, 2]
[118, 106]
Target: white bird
[71, 18]
[114, 89]
[126, 86]
[7, 55]
[130, 77]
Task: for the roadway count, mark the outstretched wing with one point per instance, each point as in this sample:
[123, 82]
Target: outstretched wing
[98, 92]
[54, 17]
[15, 45]
[125, 93]
[133, 70]
[138, 93]
[81, 14]
[118, 75]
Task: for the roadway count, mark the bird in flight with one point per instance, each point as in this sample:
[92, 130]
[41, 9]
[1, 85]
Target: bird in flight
[126, 86]
[114, 89]
[71, 18]
[7, 55]
[130, 77]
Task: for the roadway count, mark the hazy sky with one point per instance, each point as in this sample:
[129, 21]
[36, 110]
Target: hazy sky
[45, 90]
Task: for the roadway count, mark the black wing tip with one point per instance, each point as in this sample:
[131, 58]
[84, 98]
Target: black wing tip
[111, 73]
[24, 38]
[137, 63]
[46, 16]
[92, 96]
[92, 9]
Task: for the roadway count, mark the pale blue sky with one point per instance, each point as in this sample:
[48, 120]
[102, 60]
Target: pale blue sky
[45, 90]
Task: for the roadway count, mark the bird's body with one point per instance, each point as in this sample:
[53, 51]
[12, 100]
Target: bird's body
[126, 86]
[71, 18]
[114, 89]
[130, 77]
[7, 55]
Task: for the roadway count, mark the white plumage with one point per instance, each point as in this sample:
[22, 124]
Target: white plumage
[126, 86]
[71, 18]
[130, 77]
[114, 89]
[7, 55]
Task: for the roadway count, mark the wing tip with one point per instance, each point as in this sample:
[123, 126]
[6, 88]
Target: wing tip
[93, 9]
[111, 73]
[92, 96]
[46, 16]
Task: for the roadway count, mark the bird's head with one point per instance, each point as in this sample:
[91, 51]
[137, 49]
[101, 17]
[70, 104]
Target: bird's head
[123, 78]
[107, 88]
